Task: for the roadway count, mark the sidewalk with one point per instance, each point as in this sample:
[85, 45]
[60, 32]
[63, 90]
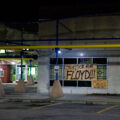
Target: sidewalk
[83, 99]
[31, 95]
[25, 97]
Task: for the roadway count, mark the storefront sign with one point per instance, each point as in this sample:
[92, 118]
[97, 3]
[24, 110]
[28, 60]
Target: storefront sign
[81, 72]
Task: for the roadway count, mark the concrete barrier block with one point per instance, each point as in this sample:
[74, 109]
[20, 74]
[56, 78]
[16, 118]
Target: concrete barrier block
[30, 80]
[56, 91]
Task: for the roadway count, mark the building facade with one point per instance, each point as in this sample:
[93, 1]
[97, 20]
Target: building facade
[84, 30]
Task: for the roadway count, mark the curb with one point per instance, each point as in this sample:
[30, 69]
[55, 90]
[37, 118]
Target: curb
[45, 100]
[90, 101]
[48, 100]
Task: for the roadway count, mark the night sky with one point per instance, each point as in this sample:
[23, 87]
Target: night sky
[56, 9]
[50, 9]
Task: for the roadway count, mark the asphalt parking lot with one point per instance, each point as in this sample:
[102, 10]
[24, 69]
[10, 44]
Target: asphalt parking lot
[58, 111]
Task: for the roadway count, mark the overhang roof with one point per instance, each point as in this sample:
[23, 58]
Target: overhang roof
[54, 9]
[27, 17]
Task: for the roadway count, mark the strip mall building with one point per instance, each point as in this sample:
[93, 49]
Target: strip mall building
[89, 62]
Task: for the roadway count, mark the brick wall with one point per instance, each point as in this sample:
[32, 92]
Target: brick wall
[6, 77]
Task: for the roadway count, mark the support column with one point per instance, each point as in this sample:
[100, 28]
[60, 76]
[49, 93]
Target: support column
[43, 75]
[56, 88]
[21, 65]
[30, 80]
[30, 66]
[20, 88]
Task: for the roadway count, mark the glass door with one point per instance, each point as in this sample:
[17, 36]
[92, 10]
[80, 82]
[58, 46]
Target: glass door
[18, 72]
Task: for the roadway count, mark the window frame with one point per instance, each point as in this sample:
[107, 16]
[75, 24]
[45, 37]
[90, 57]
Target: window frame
[1, 70]
[77, 62]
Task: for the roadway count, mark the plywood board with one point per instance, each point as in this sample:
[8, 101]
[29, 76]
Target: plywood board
[99, 84]
[81, 72]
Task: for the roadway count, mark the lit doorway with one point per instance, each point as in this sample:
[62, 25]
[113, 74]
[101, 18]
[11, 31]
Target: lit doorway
[18, 72]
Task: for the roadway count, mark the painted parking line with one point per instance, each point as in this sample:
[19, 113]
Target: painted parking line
[36, 108]
[108, 108]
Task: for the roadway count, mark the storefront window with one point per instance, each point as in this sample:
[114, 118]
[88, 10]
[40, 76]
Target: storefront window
[1, 73]
[101, 68]
[53, 61]
[85, 61]
[99, 61]
[53, 73]
[70, 60]
[34, 72]
[70, 83]
[18, 72]
[101, 72]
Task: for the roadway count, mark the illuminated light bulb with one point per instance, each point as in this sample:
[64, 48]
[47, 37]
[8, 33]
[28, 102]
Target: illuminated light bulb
[13, 63]
[59, 51]
[81, 54]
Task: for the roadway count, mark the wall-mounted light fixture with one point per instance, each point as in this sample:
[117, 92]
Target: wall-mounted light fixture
[81, 54]
[59, 51]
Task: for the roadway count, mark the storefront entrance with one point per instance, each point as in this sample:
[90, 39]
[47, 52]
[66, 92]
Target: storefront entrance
[18, 72]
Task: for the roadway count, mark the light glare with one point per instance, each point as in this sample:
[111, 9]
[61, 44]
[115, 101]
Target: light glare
[81, 54]
[59, 51]
[13, 63]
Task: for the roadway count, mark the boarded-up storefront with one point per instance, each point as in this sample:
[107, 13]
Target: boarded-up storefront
[84, 72]
[79, 72]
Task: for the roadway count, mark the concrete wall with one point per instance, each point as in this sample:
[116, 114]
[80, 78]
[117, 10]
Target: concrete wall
[114, 75]
[97, 26]
[43, 75]
[82, 27]
[6, 73]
